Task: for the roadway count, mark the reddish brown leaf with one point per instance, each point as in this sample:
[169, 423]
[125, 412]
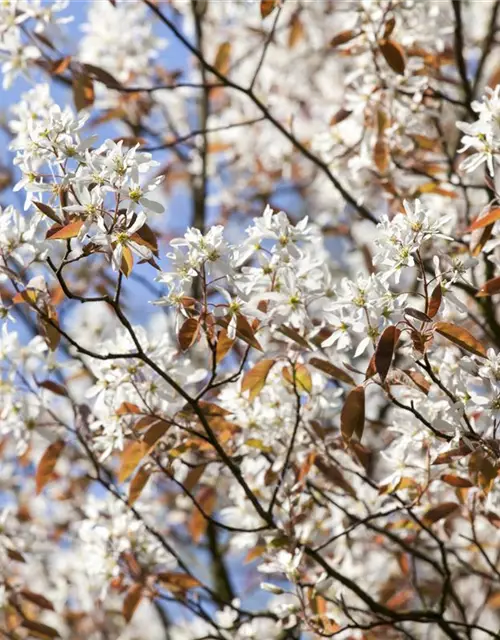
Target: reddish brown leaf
[400, 599]
[189, 333]
[222, 58]
[147, 237]
[64, 232]
[133, 453]
[137, 484]
[83, 91]
[389, 26]
[28, 296]
[102, 76]
[254, 380]
[417, 314]
[40, 630]
[15, 555]
[224, 345]
[48, 211]
[299, 377]
[482, 471]
[385, 350]
[452, 454]
[485, 236]
[127, 261]
[197, 524]
[461, 337]
[60, 66]
[56, 388]
[47, 463]
[394, 55]
[494, 600]
[381, 155]
[246, 333]
[352, 418]
[489, 288]
[435, 301]
[335, 476]
[331, 370]
[127, 408]
[131, 602]
[483, 221]
[456, 481]
[296, 33]
[294, 335]
[340, 116]
[50, 330]
[254, 553]
[443, 510]
[419, 380]
[193, 477]
[343, 37]
[178, 582]
[267, 7]
[38, 599]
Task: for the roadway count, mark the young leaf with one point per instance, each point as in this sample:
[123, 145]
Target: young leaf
[83, 91]
[102, 76]
[343, 37]
[385, 350]
[197, 524]
[443, 510]
[331, 370]
[147, 237]
[133, 453]
[489, 288]
[254, 380]
[47, 463]
[303, 378]
[38, 599]
[126, 408]
[294, 335]
[352, 417]
[381, 155]
[64, 232]
[456, 481]
[178, 582]
[461, 337]
[394, 55]
[50, 332]
[48, 211]
[417, 314]
[131, 602]
[56, 388]
[485, 236]
[340, 116]
[127, 261]
[188, 333]
[137, 484]
[484, 221]
[222, 59]
[246, 333]
[435, 301]
[193, 477]
[335, 476]
[267, 7]
[60, 66]
[40, 630]
[224, 345]
[28, 296]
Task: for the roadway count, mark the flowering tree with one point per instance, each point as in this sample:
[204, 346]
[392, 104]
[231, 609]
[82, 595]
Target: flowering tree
[276, 425]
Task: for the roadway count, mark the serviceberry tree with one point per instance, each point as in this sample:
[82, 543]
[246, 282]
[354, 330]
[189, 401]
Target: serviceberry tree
[250, 345]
